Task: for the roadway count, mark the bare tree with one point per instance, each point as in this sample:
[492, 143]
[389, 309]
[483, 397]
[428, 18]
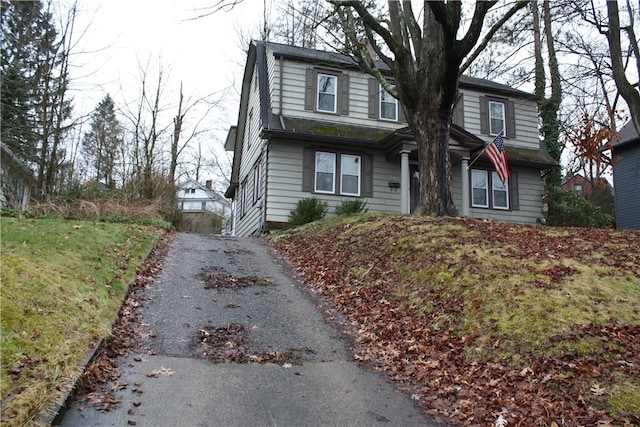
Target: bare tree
[426, 60]
[179, 144]
[548, 106]
[628, 90]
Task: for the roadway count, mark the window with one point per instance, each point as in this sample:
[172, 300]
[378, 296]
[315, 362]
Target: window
[388, 106]
[327, 93]
[249, 128]
[243, 198]
[481, 181]
[500, 195]
[578, 189]
[331, 167]
[339, 173]
[496, 117]
[479, 197]
[325, 172]
[257, 179]
[350, 175]
[497, 114]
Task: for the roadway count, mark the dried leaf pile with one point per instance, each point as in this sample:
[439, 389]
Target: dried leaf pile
[435, 303]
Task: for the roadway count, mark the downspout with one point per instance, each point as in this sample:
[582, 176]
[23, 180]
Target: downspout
[280, 91]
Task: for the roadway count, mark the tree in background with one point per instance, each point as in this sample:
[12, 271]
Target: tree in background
[35, 59]
[101, 145]
[426, 61]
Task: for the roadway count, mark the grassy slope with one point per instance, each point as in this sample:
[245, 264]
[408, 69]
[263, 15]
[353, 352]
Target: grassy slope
[62, 285]
[482, 319]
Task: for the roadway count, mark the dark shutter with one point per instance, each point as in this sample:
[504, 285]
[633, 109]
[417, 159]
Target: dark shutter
[513, 191]
[484, 115]
[511, 119]
[373, 98]
[309, 90]
[343, 80]
[307, 169]
[458, 111]
[367, 175]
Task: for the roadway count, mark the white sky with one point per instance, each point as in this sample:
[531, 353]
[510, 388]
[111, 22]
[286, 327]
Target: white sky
[123, 35]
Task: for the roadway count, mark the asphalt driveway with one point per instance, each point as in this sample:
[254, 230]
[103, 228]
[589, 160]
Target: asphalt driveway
[234, 339]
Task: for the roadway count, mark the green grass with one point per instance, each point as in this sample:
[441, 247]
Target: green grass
[62, 285]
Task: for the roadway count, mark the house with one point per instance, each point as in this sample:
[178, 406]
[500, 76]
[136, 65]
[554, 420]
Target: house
[16, 180]
[202, 210]
[313, 124]
[577, 184]
[626, 177]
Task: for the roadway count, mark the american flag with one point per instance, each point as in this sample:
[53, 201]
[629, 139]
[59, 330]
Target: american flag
[495, 152]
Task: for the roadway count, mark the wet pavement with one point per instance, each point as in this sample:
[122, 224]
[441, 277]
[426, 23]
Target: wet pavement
[234, 339]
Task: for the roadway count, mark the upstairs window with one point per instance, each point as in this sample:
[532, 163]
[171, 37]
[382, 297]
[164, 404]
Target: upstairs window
[327, 93]
[578, 189]
[388, 106]
[497, 114]
[383, 106]
[497, 117]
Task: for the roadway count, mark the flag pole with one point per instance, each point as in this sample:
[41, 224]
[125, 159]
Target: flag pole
[483, 150]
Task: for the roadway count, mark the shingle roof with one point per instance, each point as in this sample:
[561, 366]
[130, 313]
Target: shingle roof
[628, 134]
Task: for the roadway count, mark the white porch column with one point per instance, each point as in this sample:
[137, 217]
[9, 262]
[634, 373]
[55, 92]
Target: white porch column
[404, 181]
[464, 174]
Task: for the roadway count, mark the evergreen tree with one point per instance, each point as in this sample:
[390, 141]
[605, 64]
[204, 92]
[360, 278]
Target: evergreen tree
[101, 145]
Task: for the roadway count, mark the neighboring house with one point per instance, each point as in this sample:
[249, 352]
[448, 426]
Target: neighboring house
[202, 209]
[313, 124]
[16, 180]
[577, 184]
[626, 177]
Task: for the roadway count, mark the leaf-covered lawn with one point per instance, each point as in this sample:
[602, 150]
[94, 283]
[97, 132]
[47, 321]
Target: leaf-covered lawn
[484, 321]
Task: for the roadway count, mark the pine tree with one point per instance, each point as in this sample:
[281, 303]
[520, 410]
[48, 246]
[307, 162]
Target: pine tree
[101, 145]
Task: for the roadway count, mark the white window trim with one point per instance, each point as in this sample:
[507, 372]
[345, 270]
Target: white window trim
[495, 186]
[380, 102]
[315, 174]
[504, 117]
[342, 174]
[335, 93]
[486, 189]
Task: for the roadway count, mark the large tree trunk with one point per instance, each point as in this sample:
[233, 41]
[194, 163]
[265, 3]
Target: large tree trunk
[431, 118]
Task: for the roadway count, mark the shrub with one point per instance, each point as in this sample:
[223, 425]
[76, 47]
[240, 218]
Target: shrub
[351, 207]
[566, 209]
[307, 210]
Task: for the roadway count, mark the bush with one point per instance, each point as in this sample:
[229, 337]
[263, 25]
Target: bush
[351, 207]
[307, 210]
[566, 209]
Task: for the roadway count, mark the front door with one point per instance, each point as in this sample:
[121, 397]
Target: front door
[414, 187]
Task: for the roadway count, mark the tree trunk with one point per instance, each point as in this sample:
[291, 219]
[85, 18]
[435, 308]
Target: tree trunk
[626, 89]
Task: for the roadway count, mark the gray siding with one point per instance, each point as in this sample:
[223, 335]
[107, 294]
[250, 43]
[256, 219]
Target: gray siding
[626, 182]
[529, 198]
[526, 117]
[285, 183]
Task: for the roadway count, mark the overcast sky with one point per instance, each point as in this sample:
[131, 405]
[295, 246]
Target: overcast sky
[123, 35]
